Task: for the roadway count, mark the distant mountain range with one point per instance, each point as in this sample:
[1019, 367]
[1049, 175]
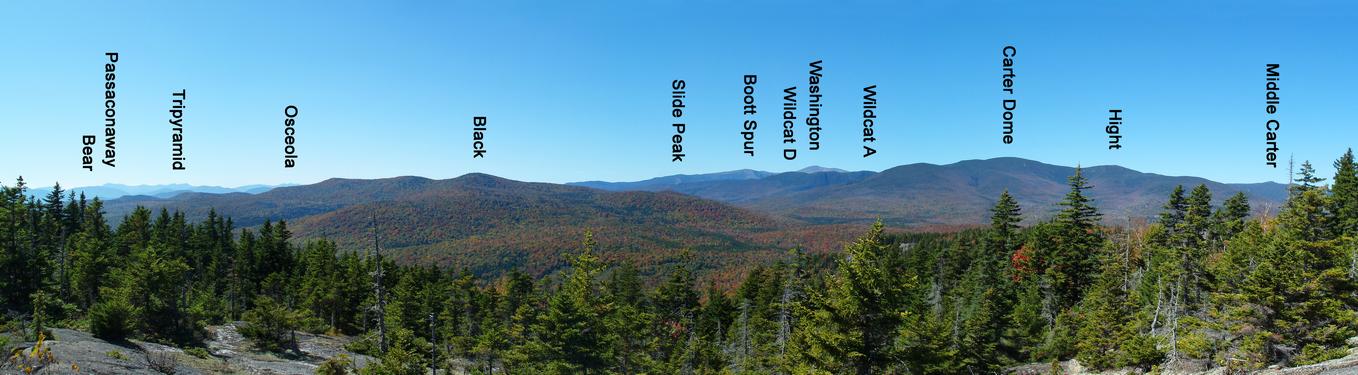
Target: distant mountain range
[661, 183]
[955, 194]
[113, 191]
[489, 224]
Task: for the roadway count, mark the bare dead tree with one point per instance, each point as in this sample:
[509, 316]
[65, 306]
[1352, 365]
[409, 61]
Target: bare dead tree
[378, 290]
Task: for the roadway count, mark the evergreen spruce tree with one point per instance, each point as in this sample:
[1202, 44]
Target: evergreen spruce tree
[1307, 215]
[113, 319]
[19, 255]
[715, 318]
[990, 293]
[864, 302]
[154, 282]
[1307, 179]
[1344, 199]
[633, 322]
[1172, 217]
[752, 337]
[576, 338]
[1192, 248]
[675, 305]
[1004, 229]
[90, 263]
[1072, 261]
[1247, 293]
[1104, 328]
[1198, 216]
[1318, 313]
[1231, 217]
[271, 326]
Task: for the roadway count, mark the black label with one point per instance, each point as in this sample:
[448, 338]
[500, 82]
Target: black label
[869, 119]
[813, 106]
[677, 95]
[1271, 104]
[1009, 103]
[479, 137]
[289, 136]
[177, 107]
[750, 123]
[1114, 129]
[110, 109]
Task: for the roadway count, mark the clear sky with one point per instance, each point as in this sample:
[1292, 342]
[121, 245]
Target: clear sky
[580, 90]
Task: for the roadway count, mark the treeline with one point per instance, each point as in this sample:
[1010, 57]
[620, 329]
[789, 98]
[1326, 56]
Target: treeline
[1203, 285]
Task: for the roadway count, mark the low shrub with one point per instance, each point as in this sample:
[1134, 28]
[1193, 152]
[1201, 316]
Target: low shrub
[112, 320]
[270, 325]
[198, 352]
[338, 365]
[162, 362]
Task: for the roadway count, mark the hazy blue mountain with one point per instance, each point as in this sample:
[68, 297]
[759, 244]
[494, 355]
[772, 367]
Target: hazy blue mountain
[660, 183]
[687, 183]
[771, 186]
[817, 169]
[114, 191]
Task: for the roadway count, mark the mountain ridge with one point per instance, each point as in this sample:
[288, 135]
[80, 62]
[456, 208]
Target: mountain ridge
[489, 224]
[913, 194]
[905, 195]
[114, 191]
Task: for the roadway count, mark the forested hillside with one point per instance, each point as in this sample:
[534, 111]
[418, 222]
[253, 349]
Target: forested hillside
[490, 225]
[1204, 285]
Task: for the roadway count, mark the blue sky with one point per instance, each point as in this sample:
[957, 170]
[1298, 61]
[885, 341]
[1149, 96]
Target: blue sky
[581, 91]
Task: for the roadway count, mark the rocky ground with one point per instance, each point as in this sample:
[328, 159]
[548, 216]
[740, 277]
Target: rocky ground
[1341, 366]
[227, 352]
[76, 352]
